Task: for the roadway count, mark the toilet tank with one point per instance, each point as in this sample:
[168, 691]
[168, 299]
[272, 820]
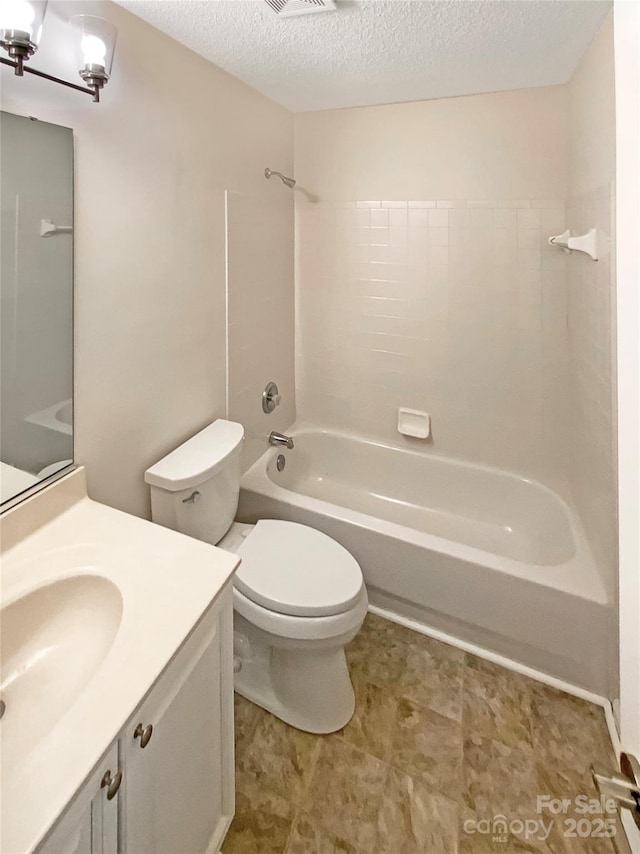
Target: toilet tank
[195, 488]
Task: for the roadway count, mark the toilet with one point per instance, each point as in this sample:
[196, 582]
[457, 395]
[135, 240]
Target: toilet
[299, 596]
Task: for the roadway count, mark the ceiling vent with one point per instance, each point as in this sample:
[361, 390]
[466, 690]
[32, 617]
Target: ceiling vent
[291, 8]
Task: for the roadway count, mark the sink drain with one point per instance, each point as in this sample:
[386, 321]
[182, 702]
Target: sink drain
[2, 708]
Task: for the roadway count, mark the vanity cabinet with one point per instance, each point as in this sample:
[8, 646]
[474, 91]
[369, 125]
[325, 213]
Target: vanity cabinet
[90, 825]
[177, 752]
[175, 755]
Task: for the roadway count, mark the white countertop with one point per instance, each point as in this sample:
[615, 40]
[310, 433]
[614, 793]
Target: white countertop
[167, 581]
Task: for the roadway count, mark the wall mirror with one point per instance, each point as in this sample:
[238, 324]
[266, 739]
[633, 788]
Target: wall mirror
[36, 303]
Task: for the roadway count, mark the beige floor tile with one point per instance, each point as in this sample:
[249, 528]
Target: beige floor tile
[280, 756]
[438, 737]
[497, 705]
[568, 836]
[413, 819]
[307, 838]
[475, 844]
[433, 678]
[376, 655]
[372, 726]
[408, 664]
[245, 721]
[257, 831]
[564, 840]
[427, 746]
[263, 819]
[568, 733]
[345, 793]
[438, 650]
[498, 780]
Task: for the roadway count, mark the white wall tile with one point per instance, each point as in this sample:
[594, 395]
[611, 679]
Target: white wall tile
[453, 313]
[438, 218]
[592, 451]
[528, 218]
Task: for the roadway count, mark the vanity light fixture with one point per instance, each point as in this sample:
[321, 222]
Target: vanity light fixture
[21, 23]
[95, 46]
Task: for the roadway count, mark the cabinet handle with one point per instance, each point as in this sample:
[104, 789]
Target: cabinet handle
[112, 784]
[144, 733]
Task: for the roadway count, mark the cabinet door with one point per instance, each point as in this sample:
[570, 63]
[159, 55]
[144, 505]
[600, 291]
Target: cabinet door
[90, 824]
[178, 788]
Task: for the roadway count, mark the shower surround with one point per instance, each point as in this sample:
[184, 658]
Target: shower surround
[424, 279]
[457, 307]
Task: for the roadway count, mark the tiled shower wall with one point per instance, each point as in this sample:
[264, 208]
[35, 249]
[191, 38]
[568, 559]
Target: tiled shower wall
[260, 299]
[592, 402]
[454, 307]
[592, 458]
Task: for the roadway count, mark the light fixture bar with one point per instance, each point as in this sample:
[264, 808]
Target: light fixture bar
[20, 68]
[21, 23]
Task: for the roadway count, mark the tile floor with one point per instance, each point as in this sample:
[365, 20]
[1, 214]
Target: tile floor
[439, 740]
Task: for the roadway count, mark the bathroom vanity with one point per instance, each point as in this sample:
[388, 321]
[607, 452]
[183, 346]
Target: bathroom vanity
[117, 731]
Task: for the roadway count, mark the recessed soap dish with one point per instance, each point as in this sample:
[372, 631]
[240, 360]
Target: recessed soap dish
[414, 423]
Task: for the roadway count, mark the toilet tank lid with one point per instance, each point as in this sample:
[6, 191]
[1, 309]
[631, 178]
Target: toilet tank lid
[197, 459]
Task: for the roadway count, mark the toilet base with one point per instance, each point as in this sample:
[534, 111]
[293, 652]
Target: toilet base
[304, 683]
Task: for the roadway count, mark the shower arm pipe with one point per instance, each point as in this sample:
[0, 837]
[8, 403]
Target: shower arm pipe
[290, 182]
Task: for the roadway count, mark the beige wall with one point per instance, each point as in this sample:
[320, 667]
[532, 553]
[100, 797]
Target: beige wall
[508, 145]
[591, 302]
[152, 164]
[261, 311]
[424, 278]
[592, 113]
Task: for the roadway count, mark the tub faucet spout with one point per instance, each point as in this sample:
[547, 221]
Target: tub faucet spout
[279, 439]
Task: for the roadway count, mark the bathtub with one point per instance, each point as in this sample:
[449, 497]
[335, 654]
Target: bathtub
[486, 556]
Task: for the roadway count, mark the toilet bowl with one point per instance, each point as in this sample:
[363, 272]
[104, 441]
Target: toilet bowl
[299, 596]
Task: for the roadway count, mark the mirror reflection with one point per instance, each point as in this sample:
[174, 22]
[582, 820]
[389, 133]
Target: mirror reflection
[36, 308]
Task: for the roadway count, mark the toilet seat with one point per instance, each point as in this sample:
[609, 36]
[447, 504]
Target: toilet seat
[311, 630]
[296, 570]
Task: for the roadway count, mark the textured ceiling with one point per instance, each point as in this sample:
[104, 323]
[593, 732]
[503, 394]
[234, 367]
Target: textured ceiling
[383, 51]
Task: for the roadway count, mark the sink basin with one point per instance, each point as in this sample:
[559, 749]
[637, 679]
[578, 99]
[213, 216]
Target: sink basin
[52, 641]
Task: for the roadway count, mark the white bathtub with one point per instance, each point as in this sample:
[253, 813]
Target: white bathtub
[487, 556]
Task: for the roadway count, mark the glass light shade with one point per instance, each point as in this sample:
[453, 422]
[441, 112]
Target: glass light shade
[21, 23]
[95, 42]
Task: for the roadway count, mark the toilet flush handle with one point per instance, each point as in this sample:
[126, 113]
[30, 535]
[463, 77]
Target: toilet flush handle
[191, 499]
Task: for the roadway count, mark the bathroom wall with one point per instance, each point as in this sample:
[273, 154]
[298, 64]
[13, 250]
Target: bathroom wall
[424, 278]
[153, 162]
[591, 302]
[260, 311]
[507, 145]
